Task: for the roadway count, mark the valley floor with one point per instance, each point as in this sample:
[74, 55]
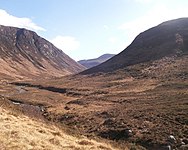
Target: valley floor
[139, 107]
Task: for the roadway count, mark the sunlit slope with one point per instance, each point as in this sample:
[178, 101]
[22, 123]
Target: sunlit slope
[23, 133]
[24, 54]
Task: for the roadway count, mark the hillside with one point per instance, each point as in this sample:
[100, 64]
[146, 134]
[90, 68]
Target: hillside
[89, 63]
[167, 39]
[24, 54]
[19, 132]
[140, 106]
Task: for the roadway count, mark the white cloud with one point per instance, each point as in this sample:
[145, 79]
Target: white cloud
[113, 40]
[66, 43]
[152, 18]
[10, 20]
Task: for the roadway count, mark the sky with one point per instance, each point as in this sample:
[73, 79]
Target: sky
[86, 29]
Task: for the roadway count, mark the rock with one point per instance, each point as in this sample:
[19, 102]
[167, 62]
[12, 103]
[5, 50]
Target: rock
[169, 147]
[42, 108]
[182, 143]
[172, 139]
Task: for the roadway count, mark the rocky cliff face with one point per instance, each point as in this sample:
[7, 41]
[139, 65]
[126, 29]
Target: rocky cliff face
[25, 54]
[167, 39]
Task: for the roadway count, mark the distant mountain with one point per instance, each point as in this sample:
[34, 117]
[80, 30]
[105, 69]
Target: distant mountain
[89, 63]
[25, 54]
[167, 39]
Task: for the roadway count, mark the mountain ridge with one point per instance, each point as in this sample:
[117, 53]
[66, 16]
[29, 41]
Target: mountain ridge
[166, 39]
[89, 63]
[21, 48]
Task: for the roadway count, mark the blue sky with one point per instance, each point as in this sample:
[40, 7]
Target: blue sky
[89, 28]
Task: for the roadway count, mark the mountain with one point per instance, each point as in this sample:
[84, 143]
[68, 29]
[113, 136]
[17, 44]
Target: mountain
[166, 39]
[89, 63]
[25, 54]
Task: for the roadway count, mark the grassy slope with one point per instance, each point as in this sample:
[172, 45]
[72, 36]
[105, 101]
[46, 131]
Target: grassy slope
[19, 132]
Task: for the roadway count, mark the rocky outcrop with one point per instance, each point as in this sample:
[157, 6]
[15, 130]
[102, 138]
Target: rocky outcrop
[25, 54]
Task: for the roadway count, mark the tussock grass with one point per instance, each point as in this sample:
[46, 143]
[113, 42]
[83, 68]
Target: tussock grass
[19, 132]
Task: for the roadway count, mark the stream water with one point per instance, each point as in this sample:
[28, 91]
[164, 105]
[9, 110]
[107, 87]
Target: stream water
[30, 110]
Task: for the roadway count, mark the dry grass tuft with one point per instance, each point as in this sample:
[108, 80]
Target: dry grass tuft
[19, 132]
